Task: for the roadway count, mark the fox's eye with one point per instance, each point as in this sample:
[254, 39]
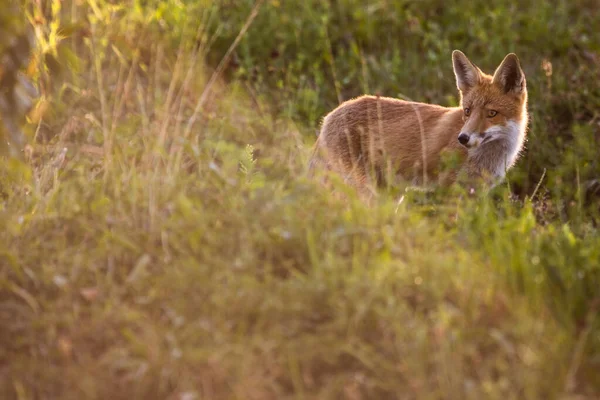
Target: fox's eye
[467, 111]
[492, 113]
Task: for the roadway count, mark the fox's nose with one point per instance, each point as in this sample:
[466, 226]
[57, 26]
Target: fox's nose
[463, 138]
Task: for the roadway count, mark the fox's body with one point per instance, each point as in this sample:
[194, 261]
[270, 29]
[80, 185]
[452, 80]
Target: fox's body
[388, 138]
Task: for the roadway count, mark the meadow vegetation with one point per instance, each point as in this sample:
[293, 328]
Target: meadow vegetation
[162, 239]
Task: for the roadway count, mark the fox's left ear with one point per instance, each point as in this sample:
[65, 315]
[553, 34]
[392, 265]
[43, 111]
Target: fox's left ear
[509, 75]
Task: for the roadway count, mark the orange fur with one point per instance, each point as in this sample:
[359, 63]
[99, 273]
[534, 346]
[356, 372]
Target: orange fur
[380, 140]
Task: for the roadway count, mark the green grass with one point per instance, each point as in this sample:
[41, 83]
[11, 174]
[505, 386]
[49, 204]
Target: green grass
[155, 262]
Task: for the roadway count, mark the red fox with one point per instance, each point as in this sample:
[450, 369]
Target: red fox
[388, 139]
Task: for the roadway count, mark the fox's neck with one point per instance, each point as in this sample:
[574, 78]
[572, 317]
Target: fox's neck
[499, 154]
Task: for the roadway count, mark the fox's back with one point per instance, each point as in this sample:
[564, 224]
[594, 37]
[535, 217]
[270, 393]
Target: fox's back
[381, 131]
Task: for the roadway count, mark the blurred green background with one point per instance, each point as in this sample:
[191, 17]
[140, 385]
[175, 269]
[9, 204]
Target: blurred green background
[160, 239]
[306, 56]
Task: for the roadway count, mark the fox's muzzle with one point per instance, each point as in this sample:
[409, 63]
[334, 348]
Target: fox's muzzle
[470, 140]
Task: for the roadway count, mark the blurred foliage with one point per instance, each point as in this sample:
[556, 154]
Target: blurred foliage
[139, 259]
[16, 92]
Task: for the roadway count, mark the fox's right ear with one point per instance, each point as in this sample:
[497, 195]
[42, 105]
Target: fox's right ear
[467, 74]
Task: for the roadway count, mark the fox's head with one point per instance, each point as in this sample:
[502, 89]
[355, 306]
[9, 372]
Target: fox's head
[494, 107]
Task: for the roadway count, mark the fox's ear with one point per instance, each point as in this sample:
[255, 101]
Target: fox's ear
[509, 75]
[467, 74]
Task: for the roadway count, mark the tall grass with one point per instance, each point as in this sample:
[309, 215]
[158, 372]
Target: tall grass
[163, 241]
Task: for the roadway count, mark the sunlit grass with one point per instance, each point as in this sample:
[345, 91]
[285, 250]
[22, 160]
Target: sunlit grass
[145, 257]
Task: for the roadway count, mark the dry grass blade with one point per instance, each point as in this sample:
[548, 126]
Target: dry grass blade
[219, 70]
